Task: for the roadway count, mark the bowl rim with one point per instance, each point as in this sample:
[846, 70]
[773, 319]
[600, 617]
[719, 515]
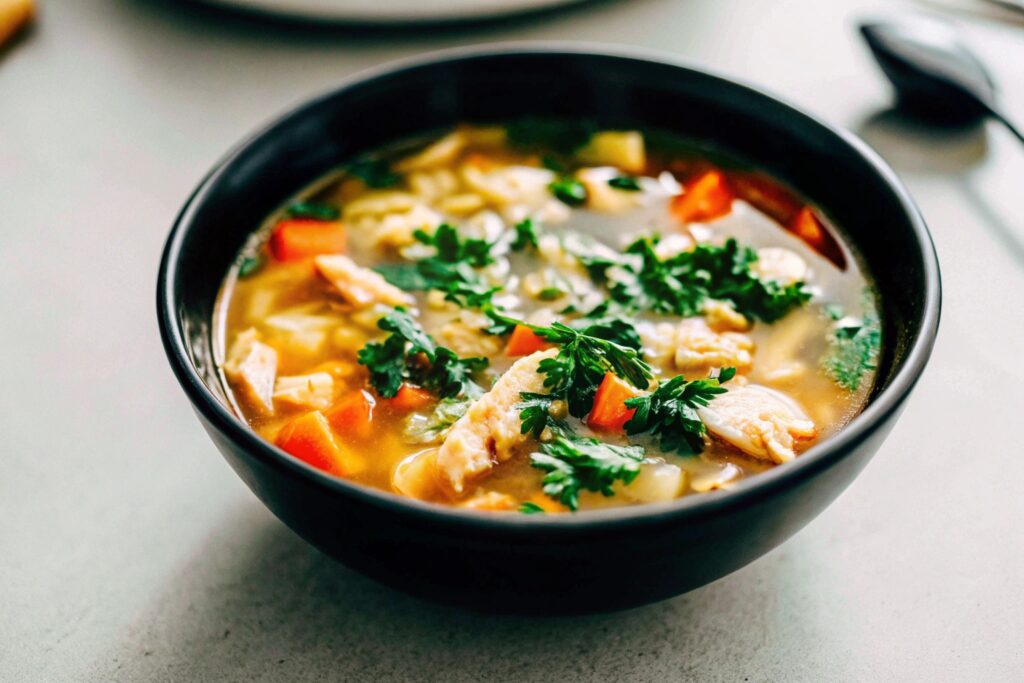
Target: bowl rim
[746, 492]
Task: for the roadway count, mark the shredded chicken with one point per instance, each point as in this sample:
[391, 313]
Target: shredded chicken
[251, 368]
[693, 347]
[314, 391]
[359, 286]
[490, 429]
[759, 421]
[782, 265]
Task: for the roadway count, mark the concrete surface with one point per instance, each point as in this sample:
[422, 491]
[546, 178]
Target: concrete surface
[129, 550]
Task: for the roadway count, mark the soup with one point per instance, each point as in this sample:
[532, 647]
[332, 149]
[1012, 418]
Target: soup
[545, 317]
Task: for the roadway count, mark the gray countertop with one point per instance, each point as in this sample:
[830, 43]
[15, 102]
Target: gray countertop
[130, 551]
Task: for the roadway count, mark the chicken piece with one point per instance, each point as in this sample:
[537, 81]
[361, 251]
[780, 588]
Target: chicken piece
[759, 421]
[699, 348]
[490, 429]
[314, 391]
[466, 340]
[722, 317]
[359, 286]
[251, 368]
[782, 265]
[693, 347]
[509, 184]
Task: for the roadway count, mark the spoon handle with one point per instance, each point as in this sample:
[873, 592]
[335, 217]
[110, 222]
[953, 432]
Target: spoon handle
[1014, 128]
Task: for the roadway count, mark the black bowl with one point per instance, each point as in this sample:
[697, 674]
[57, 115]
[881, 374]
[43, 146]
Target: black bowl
[600, 560]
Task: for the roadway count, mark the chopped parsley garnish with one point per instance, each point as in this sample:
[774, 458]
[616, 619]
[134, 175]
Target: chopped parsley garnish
[250, 265]
[410, 354]
[679, 285]
[601, 323]
[575, 463]
[527, 235]
[575, 373]
[375, 173]
[434, 427]
[854, 347]
[314, 210]
[451, 270]
[530, 508]
[560, 136]
[569, 191]
[627, 183]
[670, 411]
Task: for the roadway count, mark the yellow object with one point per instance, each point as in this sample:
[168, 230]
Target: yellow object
[13, 15]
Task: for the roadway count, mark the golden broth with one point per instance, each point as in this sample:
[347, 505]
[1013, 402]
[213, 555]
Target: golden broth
[298, 313]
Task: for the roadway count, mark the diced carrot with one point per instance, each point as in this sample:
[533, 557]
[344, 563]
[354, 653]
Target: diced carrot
[708, 197]
[525, 341]
[353, 414]
[409, 398]
[298, 238]
[309, 438]
[808, 227]
[610, 412]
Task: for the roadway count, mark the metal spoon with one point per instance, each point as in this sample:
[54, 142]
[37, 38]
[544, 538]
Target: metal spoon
[933, 72]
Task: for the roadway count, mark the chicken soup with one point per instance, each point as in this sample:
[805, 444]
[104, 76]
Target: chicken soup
[546, 317]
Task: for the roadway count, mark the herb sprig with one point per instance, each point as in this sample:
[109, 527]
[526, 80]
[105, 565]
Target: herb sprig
[670, 411]
[410, 354]
[375, 173]
[576, 463]
[854, 346]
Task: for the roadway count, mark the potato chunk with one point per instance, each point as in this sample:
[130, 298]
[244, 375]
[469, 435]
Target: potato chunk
[759, 421]
[251, 368]
[359, 286]
[490, 429]
[622, 149]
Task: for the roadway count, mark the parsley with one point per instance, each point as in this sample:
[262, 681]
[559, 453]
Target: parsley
[640, 280]
[451, 270]
[527, 235]
[433, 428]
[374, 173]
[603, 322]
[569, 191]
[575, 463]
[535, 412]
[410, 354]
[314, 210]
[249, 265]
[529, 508]
[563, 137]
[854, 347]
[670, 411]
[627, 183]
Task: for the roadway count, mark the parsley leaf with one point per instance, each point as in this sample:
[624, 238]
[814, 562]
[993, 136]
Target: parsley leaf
[374, 173]
[670, 411]
[627, 183]
[527, 235]
[679, 285]
[250, 265]
[410, 354]
[434, 427]
[530, 508]
[314, 210]
[854, 347]
[569, 191]
[451, 270]
[575, 463]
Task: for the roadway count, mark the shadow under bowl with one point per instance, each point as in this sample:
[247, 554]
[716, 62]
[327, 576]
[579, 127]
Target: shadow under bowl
[601, 560]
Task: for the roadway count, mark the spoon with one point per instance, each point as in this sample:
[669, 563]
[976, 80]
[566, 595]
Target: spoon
[933, 72]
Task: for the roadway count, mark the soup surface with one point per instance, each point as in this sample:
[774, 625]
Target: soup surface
[544, 318]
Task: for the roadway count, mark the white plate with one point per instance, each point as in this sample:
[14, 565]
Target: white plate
[394, 11]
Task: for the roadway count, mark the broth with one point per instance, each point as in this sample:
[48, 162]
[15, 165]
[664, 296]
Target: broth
[799, 378]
